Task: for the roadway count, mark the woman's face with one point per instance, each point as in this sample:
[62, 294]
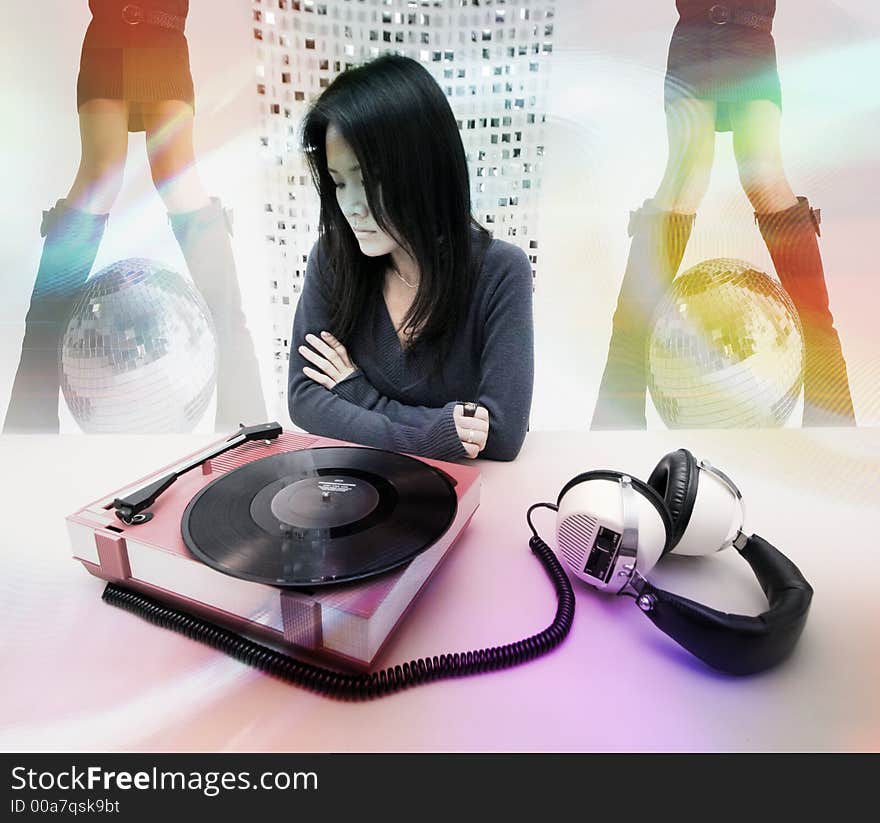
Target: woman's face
[342, 165]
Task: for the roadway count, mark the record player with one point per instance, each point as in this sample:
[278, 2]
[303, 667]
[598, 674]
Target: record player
[302, 541]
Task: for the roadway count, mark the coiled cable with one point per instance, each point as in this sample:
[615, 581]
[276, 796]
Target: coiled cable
[364, 686]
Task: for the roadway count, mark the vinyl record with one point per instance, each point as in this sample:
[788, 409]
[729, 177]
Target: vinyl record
[319, 516]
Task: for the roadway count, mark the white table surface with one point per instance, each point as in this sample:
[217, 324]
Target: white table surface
[80, 675]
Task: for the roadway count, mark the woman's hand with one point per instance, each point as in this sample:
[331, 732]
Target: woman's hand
[472, 431]
[330, 357]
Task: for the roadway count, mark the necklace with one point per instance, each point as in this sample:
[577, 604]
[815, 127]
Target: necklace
[405, 281]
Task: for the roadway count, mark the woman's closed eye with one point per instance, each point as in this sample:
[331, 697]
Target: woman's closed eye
[341, 183]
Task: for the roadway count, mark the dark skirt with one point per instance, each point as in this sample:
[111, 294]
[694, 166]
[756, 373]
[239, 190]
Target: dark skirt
[141, 64]
[729, 64]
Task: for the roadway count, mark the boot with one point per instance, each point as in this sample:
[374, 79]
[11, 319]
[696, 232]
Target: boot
[658, 243]
[790, 236]
[203, 236]
[72, 240]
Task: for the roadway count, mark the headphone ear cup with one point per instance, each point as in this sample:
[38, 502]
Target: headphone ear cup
[593, 500]
[675, 479]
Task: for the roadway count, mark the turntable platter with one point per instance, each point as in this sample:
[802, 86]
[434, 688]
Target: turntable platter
[319, 516]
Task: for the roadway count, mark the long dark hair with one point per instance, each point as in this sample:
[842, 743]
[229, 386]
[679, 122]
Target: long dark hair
[400, 126]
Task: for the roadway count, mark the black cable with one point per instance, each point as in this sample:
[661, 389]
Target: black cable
[368, 685]
[551, 506]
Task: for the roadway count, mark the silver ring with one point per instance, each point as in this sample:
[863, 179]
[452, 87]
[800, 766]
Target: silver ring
[470, 438]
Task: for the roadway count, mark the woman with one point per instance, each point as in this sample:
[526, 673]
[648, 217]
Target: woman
[414, 329]
[722, 76]
[134, 76]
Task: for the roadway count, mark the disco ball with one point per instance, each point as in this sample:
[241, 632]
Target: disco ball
[726, 349]
[139, 352]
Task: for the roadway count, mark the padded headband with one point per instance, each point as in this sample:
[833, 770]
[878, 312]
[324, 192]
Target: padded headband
[734, 643]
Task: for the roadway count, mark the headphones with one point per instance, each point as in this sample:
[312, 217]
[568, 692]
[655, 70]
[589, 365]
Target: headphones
[612, 529]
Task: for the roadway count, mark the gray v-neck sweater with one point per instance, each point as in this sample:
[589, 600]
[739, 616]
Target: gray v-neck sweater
[397, 399]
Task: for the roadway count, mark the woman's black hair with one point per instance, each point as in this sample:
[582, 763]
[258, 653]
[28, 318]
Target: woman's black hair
[399, 124]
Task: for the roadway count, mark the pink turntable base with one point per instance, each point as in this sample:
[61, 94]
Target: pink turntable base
[348, 624]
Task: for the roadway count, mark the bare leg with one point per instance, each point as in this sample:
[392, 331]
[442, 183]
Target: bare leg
[659, 231]
[790, 228]
[759, 156]
[103, 127]
[169, 129]
[73, 229]
[203, 228]
[690, 128]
